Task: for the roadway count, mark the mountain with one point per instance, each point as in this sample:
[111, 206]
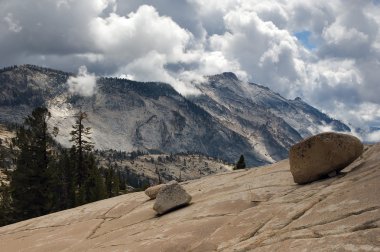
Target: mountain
[230, 118]
[244, 210]
[271, 123]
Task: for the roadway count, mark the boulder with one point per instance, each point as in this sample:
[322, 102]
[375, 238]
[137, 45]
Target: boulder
[170, 196]
[152, 191]
[322, 154]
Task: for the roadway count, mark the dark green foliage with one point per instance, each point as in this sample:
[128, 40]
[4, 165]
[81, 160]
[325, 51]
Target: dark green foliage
[88, 181]
[113, 178]
[122, 181]
[49, 178]
[5, 205]
[93, 185]
[31, 181]
[80, 136]
[64, 181]
[135, 179]
[23, 91]
[240, 164]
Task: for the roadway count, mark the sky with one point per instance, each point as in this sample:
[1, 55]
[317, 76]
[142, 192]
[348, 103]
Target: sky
[327, 52]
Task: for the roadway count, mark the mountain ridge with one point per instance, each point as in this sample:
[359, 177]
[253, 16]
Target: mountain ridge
[228, 119]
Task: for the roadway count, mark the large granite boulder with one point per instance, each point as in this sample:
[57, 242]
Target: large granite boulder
[171, 196]
[319, 155]
[152, 191]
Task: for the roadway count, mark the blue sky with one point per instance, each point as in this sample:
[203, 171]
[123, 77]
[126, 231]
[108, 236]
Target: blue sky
[304, 38]
[327, 52]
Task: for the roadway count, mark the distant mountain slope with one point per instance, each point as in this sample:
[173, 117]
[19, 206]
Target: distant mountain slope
[153, 169]
[230, 118]
[270, 122]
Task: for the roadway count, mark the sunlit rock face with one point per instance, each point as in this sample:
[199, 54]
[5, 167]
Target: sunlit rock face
[228, 119]
[320, 155]
[243, 210]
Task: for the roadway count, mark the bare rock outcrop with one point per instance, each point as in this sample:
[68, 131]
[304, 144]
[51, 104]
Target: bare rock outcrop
[171, 196]
[152, 191]
[322, 154]
[255, 210]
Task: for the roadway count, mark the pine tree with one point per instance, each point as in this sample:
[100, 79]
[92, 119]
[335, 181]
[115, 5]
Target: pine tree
[93, 187]
[89, 185]
[122, 181]
[112, 177]
[5, 205]
[116, 183]
[30, 182]
[64, 177]
[80, 136]
[241, 163]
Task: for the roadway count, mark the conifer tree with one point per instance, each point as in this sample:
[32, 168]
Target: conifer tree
[122, 181]
[64, 181]
[241, 163]
[80, 136]
[112, 177]
[93, 187]
[89, 185]
[30, 183]
[5, 205]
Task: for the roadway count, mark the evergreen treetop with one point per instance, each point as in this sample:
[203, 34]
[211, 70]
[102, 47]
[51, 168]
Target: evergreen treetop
[240, 164]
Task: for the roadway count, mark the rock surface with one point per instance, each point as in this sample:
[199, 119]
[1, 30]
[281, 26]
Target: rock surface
[127, 115]
[152, 191]
[171, 196]
[322, 154]
[245, 210]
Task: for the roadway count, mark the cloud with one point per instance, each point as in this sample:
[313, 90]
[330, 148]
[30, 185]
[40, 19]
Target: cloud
[373, 137]
[351, 34]
[260, 48]
[83, 83]
[179, 42]
[133, 36]
[12, 23]
[182, 13]
[141, 47]
[339, 76]
[151, 68]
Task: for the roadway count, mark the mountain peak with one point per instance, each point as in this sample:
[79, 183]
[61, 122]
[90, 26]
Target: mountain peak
[131, 115]
[226, 76]
[230, 75]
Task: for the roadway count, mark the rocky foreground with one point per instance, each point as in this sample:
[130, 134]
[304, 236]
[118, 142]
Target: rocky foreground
[251, 210]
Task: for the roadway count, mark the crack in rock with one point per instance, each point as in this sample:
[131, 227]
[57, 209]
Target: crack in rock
[338, 218]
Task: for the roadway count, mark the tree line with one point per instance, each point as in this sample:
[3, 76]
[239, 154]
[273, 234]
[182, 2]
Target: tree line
[49, 178]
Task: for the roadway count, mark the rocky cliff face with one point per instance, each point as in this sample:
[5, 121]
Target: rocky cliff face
[246, 210]
[270, 122]
[230, 118]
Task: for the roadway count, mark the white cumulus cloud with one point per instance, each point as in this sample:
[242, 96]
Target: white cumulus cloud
[83, 83]
[373, 137]
[180, 41]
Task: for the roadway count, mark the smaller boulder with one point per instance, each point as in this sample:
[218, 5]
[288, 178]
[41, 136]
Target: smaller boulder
[170, 196]
[322, 155]
[152, 191]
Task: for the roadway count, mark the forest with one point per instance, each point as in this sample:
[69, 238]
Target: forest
[49, 178]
